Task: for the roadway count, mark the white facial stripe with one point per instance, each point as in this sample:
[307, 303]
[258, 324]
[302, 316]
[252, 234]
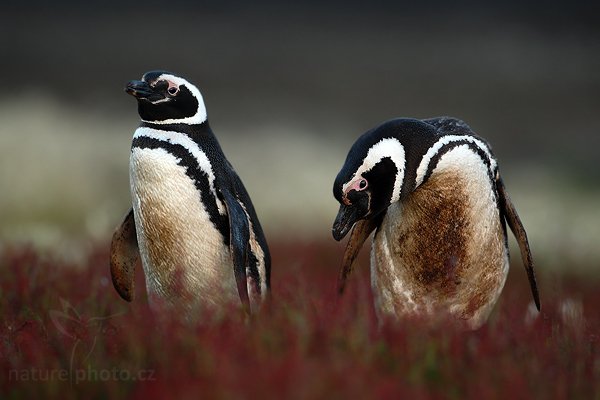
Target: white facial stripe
[192, 147]
[391, 148]
[197, 118]
[161, 101]
[424, 165]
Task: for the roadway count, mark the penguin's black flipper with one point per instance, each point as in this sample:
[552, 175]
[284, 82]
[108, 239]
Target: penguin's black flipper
[239, 235]
[516, 226]
[124, 254]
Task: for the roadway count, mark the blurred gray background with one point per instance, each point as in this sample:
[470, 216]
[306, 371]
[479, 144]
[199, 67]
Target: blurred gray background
[288, 89]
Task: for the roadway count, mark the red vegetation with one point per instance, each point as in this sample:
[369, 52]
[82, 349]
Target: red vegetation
[66, 333]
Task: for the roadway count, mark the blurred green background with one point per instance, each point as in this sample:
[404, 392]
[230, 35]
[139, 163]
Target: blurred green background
[288, 89]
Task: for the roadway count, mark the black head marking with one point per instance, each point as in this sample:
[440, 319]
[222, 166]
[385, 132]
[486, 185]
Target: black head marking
[381, 183]
[387, 157]
[407, 141]
[164, 97]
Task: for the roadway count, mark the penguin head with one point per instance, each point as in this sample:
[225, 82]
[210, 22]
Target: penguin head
[165, 98]
[373, 174]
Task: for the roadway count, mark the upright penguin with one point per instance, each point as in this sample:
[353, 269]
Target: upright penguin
[432, 192]
[192, 220]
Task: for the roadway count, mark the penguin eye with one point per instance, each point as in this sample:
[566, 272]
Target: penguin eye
[173, 90]
[357, 186]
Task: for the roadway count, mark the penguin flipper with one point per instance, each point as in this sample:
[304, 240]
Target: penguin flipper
[124, 254]
[239, 237]
[516, 226]
[360, 232]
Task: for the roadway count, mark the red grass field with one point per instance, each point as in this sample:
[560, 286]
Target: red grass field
[65, 333]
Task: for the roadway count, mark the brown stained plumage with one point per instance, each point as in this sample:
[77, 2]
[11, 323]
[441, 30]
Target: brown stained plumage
[184, 258]
[442, 249]
[438, 249]
[161, 236]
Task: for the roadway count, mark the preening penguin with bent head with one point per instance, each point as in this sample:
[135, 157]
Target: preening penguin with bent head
[192, 221]
[432, 192]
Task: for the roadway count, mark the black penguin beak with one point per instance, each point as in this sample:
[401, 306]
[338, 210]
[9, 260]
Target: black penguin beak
[346, 217]
[140, 90]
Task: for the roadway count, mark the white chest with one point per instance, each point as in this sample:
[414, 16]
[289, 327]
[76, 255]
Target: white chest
[182, 252]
